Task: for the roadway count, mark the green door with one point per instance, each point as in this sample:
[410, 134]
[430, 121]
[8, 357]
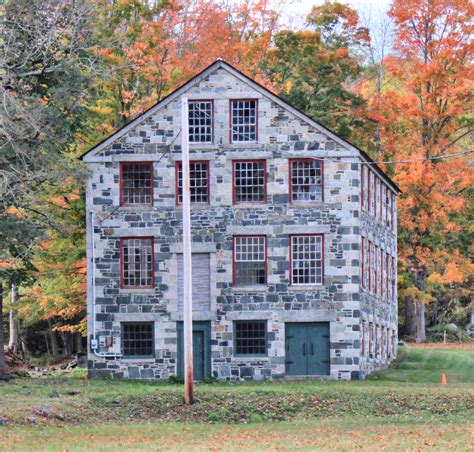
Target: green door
[201, 350]
[307, 348]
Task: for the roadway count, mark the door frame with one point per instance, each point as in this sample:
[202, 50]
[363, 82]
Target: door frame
[198, 326]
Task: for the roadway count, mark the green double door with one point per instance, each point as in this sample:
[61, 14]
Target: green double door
[307, 348]
[201, 350]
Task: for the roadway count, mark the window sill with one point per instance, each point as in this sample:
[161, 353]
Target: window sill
[307, 288]
[310, 204]
[137, 208]
[133, 359]
[249, 205]
[250, 288]
[251, 357]
[138, 290]
[195, 206]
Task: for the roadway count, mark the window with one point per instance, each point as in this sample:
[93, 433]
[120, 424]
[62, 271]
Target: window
[251, 337]
[383, 342]
[249, 181]
[306, 180]
[362, 337]
[136, 262]
[387, 272]
[250, 260]
[365, 264]
[137, 339]
[136, 183]
[394, 275]
[200, 121]
[371, 340]
[365, 187]
[377, 197]
[383, 210]
[371, 192]
[371, 266]
[306, 259]
[198, 179]
[392, 211]
[388, 219]
[243, 120]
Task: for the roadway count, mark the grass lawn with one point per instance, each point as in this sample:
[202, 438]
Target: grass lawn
[402, 408]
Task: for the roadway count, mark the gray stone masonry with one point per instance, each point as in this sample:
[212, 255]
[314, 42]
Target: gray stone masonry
[283, 133]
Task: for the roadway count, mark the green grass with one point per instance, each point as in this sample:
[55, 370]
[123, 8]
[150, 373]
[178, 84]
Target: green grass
[423, 365]
[407, 401]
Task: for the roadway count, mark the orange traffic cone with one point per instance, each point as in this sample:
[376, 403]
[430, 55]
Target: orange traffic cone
[443, 379]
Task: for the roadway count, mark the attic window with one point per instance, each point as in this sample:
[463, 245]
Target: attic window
[200, 121]
[136, 183]
[243, 120]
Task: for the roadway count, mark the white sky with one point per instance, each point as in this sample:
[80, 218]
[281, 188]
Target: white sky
[298, 10]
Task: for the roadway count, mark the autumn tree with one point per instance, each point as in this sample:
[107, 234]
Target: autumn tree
[313, 69]
[424, 113]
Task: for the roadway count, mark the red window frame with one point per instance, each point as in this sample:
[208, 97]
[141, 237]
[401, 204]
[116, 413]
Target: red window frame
[392, 212]
[234, 196]
[371, 339]
[387, 278]
[363, 253]
[231, 141]
[211, 101]
[290, 179]
[322, 259]
[370, 261]
[152, 285]
[362, 334]
[234, 284]
[394, 270]
[191, 162]
[122, 164]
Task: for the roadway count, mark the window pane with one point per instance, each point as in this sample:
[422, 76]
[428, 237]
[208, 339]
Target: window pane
[137, 179]
[306, 260]
[306, 180]
[244, 120]
[199, 181]
[250, 338]
[137, 263]
[249, 260]
[137, 339]
[249, 181]
[200, 122]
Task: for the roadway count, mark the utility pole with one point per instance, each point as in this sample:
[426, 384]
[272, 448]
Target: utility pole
[187, 259]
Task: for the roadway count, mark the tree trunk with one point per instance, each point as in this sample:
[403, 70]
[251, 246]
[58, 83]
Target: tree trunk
[420, 322]
[78, 341]
[13, 342]
[67, 343]
[2, 352]
[410, 317]
[54, 339]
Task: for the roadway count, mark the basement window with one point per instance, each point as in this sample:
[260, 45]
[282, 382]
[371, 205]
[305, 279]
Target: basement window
[136, 255]
[306, 259]
[198, 179]
[250, 338]
[243, 120]
[306, 180]
[136, 183]
[137, 339]
[200, 121]
[249, 260]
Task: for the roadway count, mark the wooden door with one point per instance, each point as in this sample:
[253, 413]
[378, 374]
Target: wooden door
[201, 350]
[307, 348]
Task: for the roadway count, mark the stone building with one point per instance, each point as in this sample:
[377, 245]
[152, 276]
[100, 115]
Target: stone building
[294, 242]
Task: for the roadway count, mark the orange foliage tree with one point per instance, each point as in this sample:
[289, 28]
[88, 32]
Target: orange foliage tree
[424, 114]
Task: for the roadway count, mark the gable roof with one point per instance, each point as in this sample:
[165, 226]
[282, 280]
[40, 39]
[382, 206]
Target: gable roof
[221, 64]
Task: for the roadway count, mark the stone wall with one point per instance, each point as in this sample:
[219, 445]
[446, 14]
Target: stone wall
[282, 135]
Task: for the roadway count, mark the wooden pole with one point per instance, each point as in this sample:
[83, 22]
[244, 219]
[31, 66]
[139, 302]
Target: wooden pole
[187, 262]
